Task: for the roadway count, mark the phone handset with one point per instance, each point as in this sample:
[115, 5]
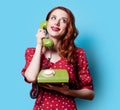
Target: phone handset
[46, 41]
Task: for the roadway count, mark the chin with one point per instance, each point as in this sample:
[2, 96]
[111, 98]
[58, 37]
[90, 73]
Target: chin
[54, 35]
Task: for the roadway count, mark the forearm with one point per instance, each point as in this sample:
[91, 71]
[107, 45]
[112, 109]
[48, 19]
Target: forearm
[34, 67]
[83, 94]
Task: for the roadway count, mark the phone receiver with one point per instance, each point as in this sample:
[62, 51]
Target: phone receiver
[46, 41]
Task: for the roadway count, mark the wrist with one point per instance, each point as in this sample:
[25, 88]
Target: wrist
[38, 47]
[70, 92]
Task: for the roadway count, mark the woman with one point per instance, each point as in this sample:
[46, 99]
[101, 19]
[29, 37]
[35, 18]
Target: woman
[65, 55]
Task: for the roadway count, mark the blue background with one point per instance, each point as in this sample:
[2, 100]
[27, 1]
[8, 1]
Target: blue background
[98, 22]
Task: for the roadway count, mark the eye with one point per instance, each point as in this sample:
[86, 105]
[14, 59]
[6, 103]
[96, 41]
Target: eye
[53, 18]
[63, 20]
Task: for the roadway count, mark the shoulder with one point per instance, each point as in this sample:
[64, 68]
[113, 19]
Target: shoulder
[79, 51]
[29, 52]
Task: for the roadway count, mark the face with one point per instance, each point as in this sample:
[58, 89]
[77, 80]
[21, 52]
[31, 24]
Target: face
[57, 23]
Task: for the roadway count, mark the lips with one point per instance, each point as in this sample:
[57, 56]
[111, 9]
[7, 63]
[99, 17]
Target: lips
[56, 29]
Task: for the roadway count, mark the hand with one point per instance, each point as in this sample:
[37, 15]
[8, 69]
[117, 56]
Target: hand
[64, 88]
[40, 35]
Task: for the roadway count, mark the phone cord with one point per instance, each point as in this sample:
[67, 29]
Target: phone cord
[34, 91]
[35, 87]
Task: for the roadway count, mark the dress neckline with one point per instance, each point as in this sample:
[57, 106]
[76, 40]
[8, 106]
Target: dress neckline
[51, 61]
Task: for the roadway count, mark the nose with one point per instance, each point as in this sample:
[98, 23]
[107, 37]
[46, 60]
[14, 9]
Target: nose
[57, 22]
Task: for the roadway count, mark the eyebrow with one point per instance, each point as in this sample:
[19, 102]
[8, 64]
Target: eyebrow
[61, 17]
[65, 18]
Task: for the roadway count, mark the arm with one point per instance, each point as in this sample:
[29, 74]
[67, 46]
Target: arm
[81, 93]
[33, 67]
[85, 80]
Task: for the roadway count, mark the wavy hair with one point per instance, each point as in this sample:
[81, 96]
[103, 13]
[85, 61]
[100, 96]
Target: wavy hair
[67, 47]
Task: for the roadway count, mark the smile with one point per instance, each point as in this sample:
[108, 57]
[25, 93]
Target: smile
[56, 29]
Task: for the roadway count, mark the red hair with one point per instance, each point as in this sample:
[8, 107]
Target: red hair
[67, 47]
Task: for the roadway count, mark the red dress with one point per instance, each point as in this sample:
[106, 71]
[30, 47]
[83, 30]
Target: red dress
[79, 77]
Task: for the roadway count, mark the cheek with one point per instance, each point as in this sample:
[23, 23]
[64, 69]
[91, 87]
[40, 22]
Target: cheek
[64, 29]
[63, 26]
[49, 25]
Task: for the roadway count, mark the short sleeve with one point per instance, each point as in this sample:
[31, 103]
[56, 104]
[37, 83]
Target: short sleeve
[28, 57]
[84, 75]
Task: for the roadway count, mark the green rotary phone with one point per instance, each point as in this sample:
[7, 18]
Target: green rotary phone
[51, 75]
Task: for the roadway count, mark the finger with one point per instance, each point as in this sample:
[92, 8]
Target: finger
[65, 86]
[39, 30]
[49, 85]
